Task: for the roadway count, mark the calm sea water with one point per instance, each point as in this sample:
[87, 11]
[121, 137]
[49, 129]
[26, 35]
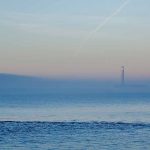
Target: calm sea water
[74, 136]
[74, 118]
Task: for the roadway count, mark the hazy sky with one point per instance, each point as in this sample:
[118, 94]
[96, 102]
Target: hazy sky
[53, 38]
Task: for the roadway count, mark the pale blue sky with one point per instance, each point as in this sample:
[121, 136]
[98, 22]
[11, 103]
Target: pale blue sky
[44, 37]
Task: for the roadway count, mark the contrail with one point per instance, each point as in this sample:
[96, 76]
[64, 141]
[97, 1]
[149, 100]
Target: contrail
[101, 25]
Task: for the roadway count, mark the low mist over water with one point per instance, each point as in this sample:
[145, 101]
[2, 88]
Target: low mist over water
[36, 99]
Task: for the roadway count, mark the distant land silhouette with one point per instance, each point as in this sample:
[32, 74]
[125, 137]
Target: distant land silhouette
[106, 86]
[12, 80]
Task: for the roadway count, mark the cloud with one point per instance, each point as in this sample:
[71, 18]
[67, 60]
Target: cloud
[102, 24]
[50, 24]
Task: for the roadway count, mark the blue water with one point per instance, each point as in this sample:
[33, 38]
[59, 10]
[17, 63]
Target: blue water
[74, 136]
[83, 104]
[75, 117]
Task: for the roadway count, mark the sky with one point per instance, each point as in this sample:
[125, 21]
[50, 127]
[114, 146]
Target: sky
[75, 38]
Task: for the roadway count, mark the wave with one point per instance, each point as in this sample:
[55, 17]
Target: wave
[77, 122]
[73, 135]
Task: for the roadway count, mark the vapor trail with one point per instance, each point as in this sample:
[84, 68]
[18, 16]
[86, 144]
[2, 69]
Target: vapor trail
[102, 24]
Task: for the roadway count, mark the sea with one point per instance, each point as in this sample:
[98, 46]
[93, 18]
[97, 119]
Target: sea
[75, 116]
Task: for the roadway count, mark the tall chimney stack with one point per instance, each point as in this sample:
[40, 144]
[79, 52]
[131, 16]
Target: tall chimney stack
[122, 75]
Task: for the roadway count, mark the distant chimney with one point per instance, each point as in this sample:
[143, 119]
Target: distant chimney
[122, 75]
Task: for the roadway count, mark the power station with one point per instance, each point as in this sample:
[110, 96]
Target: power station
[123, 75]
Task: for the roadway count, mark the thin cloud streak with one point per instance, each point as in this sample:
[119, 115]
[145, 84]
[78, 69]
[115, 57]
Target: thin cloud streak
[101, 25]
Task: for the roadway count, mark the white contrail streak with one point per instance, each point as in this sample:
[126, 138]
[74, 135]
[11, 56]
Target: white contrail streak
[101, 25]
